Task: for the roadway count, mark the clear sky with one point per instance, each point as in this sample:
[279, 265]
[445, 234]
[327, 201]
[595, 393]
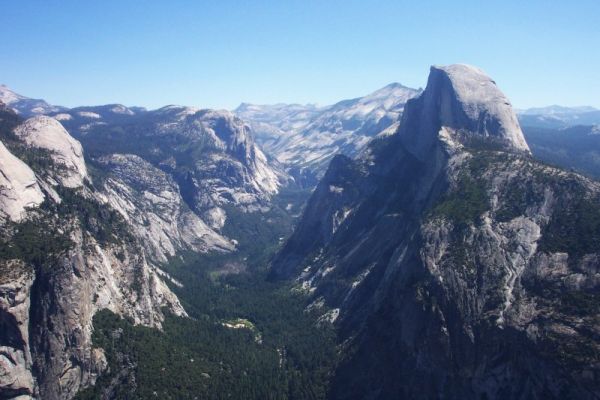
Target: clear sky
[220, 53]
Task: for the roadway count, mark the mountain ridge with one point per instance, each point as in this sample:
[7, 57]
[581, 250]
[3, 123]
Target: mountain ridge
[64, 255]
[310, 136]
[451, 263]
[441, 264]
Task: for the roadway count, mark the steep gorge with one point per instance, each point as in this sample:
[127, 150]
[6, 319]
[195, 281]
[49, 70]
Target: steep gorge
[64, 255]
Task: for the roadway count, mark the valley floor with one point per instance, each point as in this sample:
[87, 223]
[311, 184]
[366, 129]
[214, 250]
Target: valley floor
[246, 338]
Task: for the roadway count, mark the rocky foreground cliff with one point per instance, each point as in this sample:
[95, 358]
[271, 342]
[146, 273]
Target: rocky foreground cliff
[453, 264]
[68, 250]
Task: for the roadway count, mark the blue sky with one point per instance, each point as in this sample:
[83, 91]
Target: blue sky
[220, 53]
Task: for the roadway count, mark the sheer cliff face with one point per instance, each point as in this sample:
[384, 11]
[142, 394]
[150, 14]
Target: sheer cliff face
[66, 252]
[453, 264]
[19, 188]
[209, 154]
[468, 104]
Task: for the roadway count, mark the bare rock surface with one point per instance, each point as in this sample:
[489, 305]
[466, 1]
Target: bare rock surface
[19, 189]
[80, 252]
[149, 199]
[47, 133]
[467, 102]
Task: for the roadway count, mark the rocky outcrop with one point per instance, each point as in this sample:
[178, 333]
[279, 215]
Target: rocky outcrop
[48, 134]
[47, 314]
[16, 378]
[62, 262]
[149, 200]
[67, 294]
[247, 165]
[453, 264]
[468, 104]
[19, 189]
[209, 154]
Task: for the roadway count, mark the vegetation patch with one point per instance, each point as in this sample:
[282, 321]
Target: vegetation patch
[105, 224]
[573, 228]
[247, 338]
[465, 203]
[516, 198]
[260, 234]
[34, 241]
[272, 348]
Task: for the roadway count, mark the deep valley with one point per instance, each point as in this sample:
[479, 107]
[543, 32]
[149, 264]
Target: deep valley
[411, 243]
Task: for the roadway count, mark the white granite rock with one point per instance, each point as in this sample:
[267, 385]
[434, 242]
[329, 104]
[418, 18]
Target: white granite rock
[47, 133]
[19, 188]
[468, 103]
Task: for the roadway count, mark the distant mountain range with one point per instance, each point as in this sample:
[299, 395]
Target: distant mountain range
[559, 117]
[305, 138]
[442, 241]
[26, 106]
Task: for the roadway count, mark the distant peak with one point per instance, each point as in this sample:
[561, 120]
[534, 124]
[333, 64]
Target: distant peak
[210, 113]
[396, 85]
[174, 108]
[557, 110]
[9, 96]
